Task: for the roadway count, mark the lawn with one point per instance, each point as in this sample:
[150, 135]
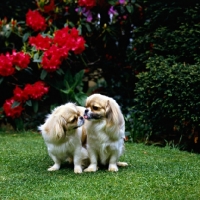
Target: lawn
[153, 173]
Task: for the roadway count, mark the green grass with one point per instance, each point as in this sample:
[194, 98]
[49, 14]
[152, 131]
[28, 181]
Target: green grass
[153, 173]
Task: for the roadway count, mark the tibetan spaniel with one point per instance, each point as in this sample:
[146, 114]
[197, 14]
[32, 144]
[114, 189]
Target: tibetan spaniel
[105, 129]
[64, 136]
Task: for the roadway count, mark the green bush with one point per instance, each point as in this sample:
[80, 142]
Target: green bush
[165, 41]
[166, 28]
[167, 99]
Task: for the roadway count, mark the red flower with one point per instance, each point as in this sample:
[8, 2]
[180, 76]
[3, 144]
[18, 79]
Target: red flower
[51, 59]
[12, 112]
[87, 3]
[35, 20]
[74, 32]
[70, 39]
[79, 45]
[46, 7]
[20, 59]
[64, 52]
[40, 42]
[20, 95]
[36, 91]
[6, 65]
[56, 49]
[63, 38]
[78, 41]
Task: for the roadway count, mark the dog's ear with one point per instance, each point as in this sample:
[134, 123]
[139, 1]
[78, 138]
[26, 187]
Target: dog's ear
[113, 114]
[59, 127]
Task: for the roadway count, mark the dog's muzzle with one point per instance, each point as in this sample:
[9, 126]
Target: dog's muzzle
[86, 116]
[90, 115]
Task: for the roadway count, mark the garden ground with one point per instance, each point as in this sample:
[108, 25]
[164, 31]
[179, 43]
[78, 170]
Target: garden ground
[153, 173]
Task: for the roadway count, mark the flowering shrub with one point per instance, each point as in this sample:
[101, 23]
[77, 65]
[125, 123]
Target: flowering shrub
[6, 67]
[35, 20]
[8, 62]
[10, 111]
[13, 107]
[87, 3]
[35, 91]
[56, 49]
[20, 59]
[46, 54]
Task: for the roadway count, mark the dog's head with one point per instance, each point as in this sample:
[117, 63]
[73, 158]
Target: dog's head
[100, 107]
[63, 121]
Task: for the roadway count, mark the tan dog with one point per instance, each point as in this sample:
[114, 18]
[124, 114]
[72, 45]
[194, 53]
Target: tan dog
[63, 134]
[105, 132]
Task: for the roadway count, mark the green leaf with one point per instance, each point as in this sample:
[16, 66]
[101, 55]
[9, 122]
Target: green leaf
[79, 77]
[111, 2]
[43, 74]
[80, 98]
[60, 72]
[130, 8]
[17, 68]
[26, 36]
[37, 58]
[80, 29]
[35, 106]
[68, 79]
[19, 124]
[70, 24]
[15, 104]
[7, 31]
[1, 79]
[66, 91]
[88, 27]
[29, 103]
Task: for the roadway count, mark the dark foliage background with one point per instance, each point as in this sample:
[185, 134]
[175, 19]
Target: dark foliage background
[166, 56]
[148, 44]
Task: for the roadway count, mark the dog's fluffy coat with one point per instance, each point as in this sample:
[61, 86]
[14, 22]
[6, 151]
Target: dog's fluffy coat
[64, 135]
[105, 132]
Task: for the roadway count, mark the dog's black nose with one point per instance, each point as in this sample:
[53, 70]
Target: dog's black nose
[81, 118]
[86, 111]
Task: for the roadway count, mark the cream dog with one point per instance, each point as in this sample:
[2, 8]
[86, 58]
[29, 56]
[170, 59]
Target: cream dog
[64, 135]
[105, 128]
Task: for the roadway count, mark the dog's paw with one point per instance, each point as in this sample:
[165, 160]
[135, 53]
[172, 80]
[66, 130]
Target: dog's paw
[122, 164]
[112, 168]
[77, 170]
[52, 169]
[91, 168]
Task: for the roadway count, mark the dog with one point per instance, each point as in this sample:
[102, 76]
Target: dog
[65, 136]
[105, 129]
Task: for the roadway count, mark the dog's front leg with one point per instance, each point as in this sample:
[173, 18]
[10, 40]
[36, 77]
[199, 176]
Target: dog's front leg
[56, 165]
[93, 162]
[112, 167]
[77, 162]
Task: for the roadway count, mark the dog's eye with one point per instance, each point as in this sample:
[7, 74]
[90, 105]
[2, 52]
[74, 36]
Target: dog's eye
[95, 107]
[73, 120]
